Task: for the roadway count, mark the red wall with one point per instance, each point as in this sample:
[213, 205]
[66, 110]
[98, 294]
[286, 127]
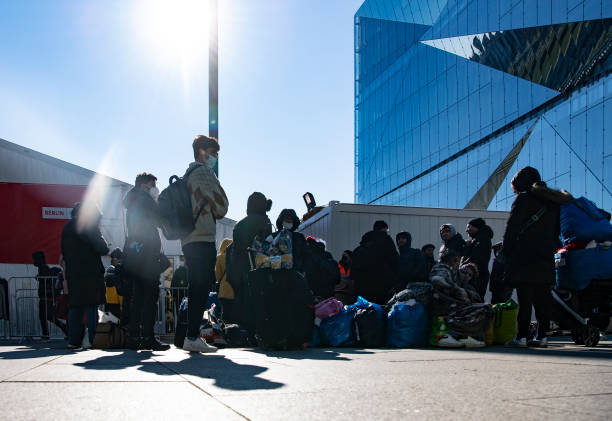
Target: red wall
[23, 229]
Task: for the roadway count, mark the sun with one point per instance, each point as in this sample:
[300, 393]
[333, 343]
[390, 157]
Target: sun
[175, 30]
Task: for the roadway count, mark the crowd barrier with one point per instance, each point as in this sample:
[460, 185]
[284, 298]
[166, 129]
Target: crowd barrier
[25, 309]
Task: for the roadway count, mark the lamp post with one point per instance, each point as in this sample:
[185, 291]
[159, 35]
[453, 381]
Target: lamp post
[213, 74]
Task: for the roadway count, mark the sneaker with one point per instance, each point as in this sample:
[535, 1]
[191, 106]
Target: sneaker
[470, 342]
[71, 346]
[539, 343]
[154, 345]
[198, 345]
[516, 343]
[447, 341]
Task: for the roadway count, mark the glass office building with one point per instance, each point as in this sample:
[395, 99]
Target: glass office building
[453, 97]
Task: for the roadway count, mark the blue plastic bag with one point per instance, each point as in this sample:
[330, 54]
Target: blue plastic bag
[581, 220]
[316, 338]
[577, 268]
[338, 330]
[408, 325]
[362, 303]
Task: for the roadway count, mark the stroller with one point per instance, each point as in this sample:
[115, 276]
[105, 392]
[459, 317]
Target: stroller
[584, 313]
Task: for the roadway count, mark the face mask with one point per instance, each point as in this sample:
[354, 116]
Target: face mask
[211, 162]
[154, 192]
[287, 225]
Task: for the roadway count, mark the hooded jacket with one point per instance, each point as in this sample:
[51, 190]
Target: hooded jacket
[456, 242]
[142, 219]
[225, 289]
[449, 293]
[478, 251]
[412, 264]
[256, 223]
[531, 254]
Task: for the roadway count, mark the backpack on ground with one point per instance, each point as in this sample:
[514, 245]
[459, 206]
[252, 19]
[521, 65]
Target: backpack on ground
[176, 213]
[109, 336]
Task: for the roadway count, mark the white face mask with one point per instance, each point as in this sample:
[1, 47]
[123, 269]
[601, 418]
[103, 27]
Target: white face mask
[287, 225]
[211, 162]
[154, 192]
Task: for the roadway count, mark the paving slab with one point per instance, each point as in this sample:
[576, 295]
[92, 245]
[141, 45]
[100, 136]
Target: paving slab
[563, 382]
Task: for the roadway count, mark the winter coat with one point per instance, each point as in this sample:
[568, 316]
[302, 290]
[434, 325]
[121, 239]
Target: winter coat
[412, 266]
[225, 289]
[322, 272]
[375, 267]
[142, 219]
[500, 293]
[456, 243]
[84, 270]
[256, 223]
[448, 291]
[478, 251]
[208, 199]
[530, 256]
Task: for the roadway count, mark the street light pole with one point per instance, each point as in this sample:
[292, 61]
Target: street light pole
[213, 74]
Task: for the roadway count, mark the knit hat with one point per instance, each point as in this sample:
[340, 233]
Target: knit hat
[428, 246]
[478, 223]
[524, 179]
[380, 225]
[116, 254]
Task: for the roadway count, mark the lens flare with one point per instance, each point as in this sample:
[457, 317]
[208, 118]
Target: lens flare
[96, 195]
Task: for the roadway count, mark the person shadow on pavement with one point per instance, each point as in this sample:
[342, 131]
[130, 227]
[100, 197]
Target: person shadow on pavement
[226, 373]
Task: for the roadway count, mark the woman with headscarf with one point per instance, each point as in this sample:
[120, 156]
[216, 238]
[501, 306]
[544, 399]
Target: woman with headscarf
[530, 242]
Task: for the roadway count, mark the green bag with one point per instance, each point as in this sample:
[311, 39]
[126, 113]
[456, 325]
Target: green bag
[438, 329]
[504, 324]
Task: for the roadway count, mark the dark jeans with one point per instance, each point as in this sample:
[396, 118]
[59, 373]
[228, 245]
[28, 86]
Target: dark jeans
[46, 312]
[143, 308]
[540, 298]
[75, 323]
[126, 308]
[200, 259]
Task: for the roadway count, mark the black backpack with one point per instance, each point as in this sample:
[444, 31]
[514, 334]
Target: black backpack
[175, 211]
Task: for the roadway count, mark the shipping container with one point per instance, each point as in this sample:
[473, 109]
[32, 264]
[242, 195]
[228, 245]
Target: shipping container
[341, 225]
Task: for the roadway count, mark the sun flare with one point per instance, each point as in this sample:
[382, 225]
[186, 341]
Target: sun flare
[176, 31]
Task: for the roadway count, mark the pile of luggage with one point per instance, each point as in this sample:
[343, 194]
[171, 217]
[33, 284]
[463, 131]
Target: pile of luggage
[586, 234]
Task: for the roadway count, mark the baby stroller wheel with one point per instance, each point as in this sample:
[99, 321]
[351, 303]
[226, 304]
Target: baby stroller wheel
[577, 337]
[590, 336]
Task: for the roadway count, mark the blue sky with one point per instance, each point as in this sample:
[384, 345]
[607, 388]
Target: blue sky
[89, 79]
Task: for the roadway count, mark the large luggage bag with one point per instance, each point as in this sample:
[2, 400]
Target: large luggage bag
[576, 269]
[283, 308]
[581, 220]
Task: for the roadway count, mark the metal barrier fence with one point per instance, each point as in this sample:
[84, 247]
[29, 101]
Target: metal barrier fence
[28, 313]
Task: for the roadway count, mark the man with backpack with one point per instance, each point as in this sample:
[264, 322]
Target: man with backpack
[209, 203]
[375, 265]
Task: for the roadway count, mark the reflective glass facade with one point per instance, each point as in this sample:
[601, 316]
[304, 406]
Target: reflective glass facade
[453, 97]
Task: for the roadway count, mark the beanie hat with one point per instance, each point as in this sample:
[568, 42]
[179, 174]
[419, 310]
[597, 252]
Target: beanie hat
[524, 179]
[380, 225]
[478, 223]
[116, 254]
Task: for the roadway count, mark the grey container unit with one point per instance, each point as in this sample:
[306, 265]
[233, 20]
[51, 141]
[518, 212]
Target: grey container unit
[342, 225]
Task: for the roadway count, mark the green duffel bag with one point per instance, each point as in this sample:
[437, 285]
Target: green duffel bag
[504, 324]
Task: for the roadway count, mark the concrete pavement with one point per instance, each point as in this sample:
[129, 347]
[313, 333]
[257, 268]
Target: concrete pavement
[46, 381]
